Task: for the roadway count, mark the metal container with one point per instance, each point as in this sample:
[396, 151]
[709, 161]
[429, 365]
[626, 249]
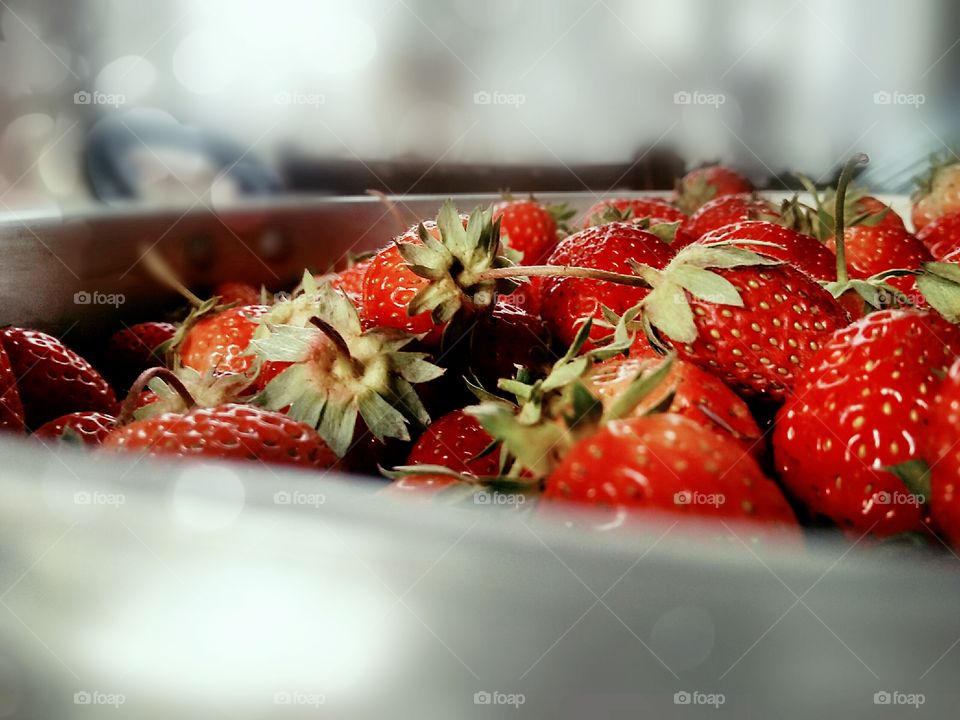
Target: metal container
[142, 589]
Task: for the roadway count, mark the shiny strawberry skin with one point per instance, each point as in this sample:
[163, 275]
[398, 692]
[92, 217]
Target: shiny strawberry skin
[131, 350]
[639, 207]
[11, 409]
[228, 432]
[861, 404]
[941, 198]
[388, 288]
[240, 293]
[350, 280]
[654, 463]
[704, 184]
[757, 349]
[219, 343]
[804, 252]
[942, 453]
[528, 227]
[452, 441]
[871, 250]
[874, 206]
[52, 379]
[526, 297]
[698, 395]
[565, 301]
[727, 210]
[942, 236]
[91, 427]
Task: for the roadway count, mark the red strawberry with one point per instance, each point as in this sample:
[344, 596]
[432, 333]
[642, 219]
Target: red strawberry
[504, 339]
[526, 297]
[527, 227]
[91, 427]
[727, 210]
[52, 379]
[229, 432]
[239, 293]
[870, 206]
[942, 236]
[942, 452]
[802, 251]
[219, 343]
[11, 409]
[134, 349]
[388, 287]
[565, 301]
[637, 207]
[350, 280]
[859, 406]
[938, 193]
[670, 464]
[871, 250]
[698, 395]
[704, 184]
[452, 441]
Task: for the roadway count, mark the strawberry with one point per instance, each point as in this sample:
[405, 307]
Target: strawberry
[218, 342]
[702, 185]
[942, 453]
[748, 320]
[860, 405]
[727, 210]
[872, 249]
[802, 251]
[637, 207]
[52, 379]
[528, 227]
[237, 293]
[90, 427]
[526, 297]
[505, 339]
[938, 193]
[670, 464]
[867, 205]
[565, 301]
[133, 349]
[350, 280]
[698, 395]
[942, 236]
[229, 432]
[11, 409]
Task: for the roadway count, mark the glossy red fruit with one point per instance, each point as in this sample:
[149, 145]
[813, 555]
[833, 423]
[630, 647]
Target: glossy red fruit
[871, 250]
[670, 464]
[704, 184]
[860, 405]
[504, 339]
[698, 395]
[219, 343]
[942, 236]
[11, 409]
[91, 427]
[938, 195]
[727, 210]
[638, 207]
[240, 293]
[758, 349]
[526, 297]
[132, 350]
[452, 441]
[52, 379]
[942, 453]
[350, 280]
[566, 301]
[802, 251]
[229, 432]
[874, 206]
[527, 227]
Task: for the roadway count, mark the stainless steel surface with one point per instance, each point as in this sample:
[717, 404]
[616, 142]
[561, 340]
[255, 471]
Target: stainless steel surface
[158, 589]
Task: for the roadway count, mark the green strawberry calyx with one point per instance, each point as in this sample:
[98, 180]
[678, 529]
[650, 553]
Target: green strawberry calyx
[205, 390]
[339, 372]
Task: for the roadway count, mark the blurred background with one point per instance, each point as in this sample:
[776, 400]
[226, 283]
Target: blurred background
[164, 102]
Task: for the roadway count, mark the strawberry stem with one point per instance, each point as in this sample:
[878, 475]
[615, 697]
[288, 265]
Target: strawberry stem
[845, 177]
[520, 271]
[132, 401]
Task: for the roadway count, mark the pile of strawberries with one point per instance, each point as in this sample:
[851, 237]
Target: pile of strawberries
[710, 354]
